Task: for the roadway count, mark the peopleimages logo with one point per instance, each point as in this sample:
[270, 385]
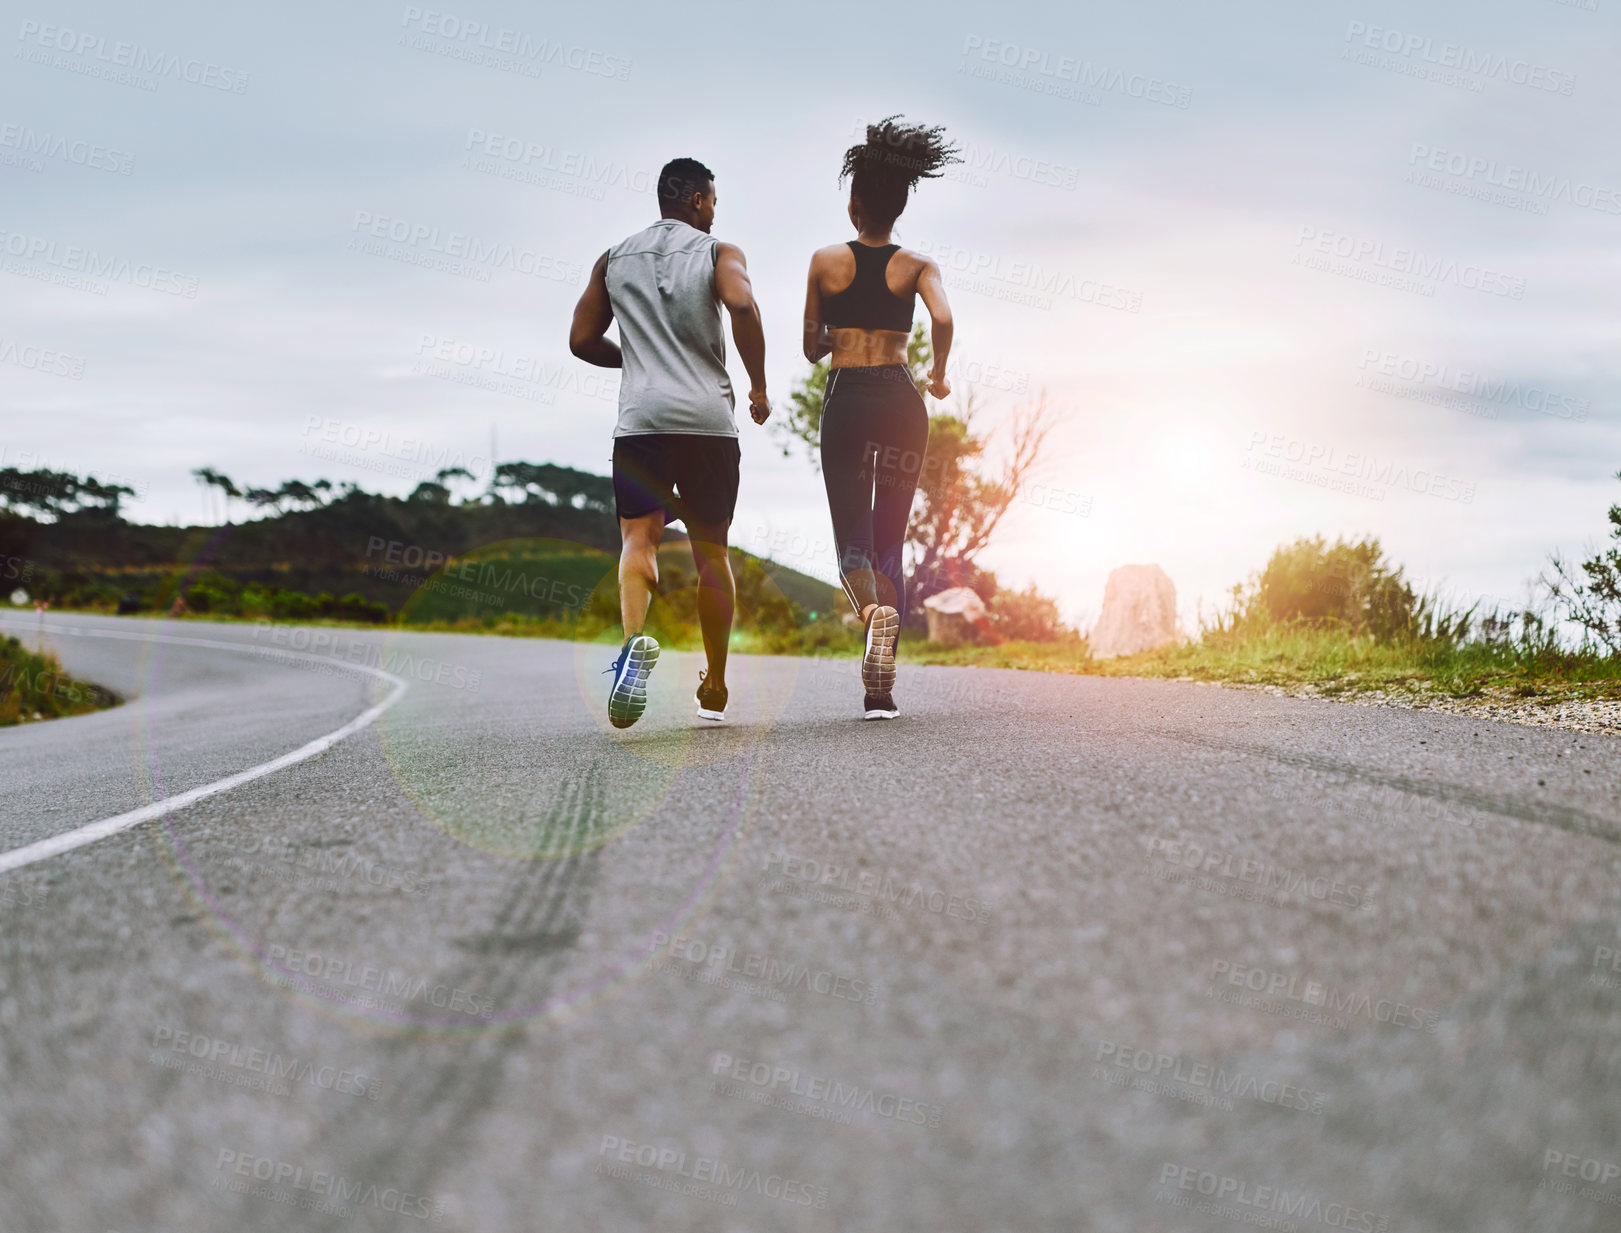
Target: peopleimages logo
[1531, 396]
[1027, 277]
[338, 1190]
[716, 1173]
[461, 246]
[534, 156]
[777, 976]
[1314, 457]
[1028, 64]
[1272, 877]
[390, 984]
[1167, 1067]
[777, 1078]
[41, 359]
[887, 887]
[79, 153]
[1289, 987]
[1406, 261]
[218, 1054]
[80, 43]
[1515, 178]
[332, 439]
[498, 364]
[1487, 64]
[474, 35]
[1587, 1168]
[78, 260]
[1302, 1206]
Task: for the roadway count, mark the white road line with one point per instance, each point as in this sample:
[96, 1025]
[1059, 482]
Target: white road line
[93, 831]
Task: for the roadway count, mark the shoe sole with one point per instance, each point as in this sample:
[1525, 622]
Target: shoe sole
[713, 717]
[878, 664]
[628, 698]
[882, 715]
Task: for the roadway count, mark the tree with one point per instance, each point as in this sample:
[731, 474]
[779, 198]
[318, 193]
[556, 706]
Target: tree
[298, 493]
[105, 498]
[430, 493]
[1592, 600]
[49, 493]
[554, 485]
[265, 498]
[960, 505]
[445, 475]
[54, 494]
[215, 479]
[959, 508]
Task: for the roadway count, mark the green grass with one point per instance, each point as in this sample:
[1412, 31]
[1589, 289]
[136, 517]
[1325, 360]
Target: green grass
[1071, 656]
[1330, 661]
[1327, 661]
[819, 638]
[33, 687]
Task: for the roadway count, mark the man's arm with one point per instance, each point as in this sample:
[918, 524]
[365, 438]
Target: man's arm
[587, 334]
[748, 331]
[932, 289]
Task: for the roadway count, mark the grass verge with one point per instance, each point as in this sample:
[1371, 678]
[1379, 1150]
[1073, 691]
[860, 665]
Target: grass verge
[33, 686]
[1301, 658]
[1326, 662]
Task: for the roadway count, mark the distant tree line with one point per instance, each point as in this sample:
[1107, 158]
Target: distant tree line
[511, 483]
[51, 494]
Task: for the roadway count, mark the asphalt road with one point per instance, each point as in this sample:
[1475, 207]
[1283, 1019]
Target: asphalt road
[1050, 953]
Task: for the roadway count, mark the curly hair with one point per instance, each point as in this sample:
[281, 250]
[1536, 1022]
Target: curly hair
[680, 178]
[885, 168]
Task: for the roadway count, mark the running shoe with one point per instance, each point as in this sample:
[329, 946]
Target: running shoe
[712, 697]
[881, 706]
[878, 664]
[628, 697]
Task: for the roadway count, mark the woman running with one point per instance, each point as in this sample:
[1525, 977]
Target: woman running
[858, 305]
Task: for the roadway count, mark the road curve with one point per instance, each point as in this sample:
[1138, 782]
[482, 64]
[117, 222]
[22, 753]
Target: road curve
[1049, 953]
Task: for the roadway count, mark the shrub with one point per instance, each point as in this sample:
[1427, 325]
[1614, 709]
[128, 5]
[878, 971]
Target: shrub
[1320, 584]
[1593, 600]
[33, 686]
[1027, 616]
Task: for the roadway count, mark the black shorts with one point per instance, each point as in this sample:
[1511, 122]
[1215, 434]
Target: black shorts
[690, 476]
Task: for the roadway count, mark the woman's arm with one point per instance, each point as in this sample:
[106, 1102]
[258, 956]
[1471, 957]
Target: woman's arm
[816, 343]
[933, 290]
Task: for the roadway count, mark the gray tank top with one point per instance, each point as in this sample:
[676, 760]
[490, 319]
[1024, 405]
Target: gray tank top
[661, 283]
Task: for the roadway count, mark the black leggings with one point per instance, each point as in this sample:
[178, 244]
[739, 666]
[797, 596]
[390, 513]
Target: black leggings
[874, 432]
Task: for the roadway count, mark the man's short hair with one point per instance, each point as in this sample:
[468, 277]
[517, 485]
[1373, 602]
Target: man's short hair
[681, 178]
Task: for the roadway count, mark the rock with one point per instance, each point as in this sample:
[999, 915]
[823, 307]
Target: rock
[1139, 612]
[955, 616]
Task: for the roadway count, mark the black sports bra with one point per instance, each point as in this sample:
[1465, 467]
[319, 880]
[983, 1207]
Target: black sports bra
[868, 303]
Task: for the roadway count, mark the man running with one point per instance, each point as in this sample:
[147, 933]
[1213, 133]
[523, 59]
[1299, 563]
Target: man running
[675, 455]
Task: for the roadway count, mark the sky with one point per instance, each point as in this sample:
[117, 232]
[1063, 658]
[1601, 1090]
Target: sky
[1277, 269]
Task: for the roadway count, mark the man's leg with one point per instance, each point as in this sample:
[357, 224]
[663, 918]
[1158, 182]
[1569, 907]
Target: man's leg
[708, 482]
[641, 501]
[638, 568]
[717, 595]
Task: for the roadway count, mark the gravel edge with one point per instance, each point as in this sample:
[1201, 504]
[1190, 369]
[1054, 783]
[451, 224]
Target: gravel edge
[1503, 705]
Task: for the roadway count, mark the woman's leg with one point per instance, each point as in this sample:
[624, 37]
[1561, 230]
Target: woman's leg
[904, 428]
[847, 475]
